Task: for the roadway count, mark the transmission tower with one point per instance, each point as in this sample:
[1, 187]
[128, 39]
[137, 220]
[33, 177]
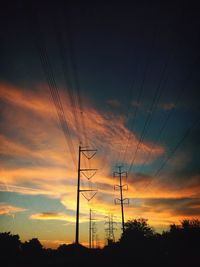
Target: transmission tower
[94, 231]
[97, 241]
[110, 237]
[91, 218]
[89, 154]
[121, 188]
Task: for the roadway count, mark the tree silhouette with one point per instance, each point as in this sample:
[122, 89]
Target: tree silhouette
[137, 229]
[181, 243]
[138, 245]
[10, 246]
[32, 248]
[191, 224]
[136, 241]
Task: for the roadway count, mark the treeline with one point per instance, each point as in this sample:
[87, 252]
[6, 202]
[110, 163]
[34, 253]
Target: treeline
[139, 245]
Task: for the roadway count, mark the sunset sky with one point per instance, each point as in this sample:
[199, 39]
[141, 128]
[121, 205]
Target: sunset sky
[128, 79]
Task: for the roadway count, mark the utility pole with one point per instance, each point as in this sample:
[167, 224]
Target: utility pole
[121, 188]
[83, 151]
[110, 230]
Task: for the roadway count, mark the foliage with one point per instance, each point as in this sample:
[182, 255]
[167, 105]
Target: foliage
[9, 241]
[32, 248]
[179, 246]
[136, 229]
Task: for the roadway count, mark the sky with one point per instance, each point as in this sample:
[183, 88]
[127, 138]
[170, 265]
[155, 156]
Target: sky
[127, 76]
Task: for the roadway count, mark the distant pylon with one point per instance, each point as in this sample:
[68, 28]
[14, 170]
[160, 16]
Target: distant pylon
[88, 155]
[121, 188]
[110, 237]
[97, 241]
[91, 228]
[94, 231]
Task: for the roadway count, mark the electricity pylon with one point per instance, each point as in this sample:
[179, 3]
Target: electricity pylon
[110, 230]
[121, 188]
[91, 229]
[83, 151]
[94, 231]
[97, 241]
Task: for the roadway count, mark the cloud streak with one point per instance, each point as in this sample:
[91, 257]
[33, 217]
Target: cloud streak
[7, 209]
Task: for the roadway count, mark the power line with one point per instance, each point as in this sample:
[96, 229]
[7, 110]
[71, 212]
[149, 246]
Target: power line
[128, 113]
[160, 85]
[147, 63]
[75, 73]
[47, 68]
[141, 91]
[144, 127]
[61, 40]
[132, 124]
[170, 113]
[174, 150]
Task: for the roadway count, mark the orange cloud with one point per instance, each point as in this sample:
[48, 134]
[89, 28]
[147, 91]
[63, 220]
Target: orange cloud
[21, 97]
[6, 209]
[110, 129]
[49, 216]
[56, 216]
[45, 144]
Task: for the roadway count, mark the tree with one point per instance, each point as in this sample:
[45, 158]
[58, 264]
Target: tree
[181, 243]
[33, 247]
[10, 246]
[137, 229]
[137, 242]
[191, 224]
[187, 228]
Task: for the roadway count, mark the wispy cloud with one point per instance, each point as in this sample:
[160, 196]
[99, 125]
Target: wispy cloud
[49, 216]
[7, 209]
[44, 128]
[37, 144]
[56, 216]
